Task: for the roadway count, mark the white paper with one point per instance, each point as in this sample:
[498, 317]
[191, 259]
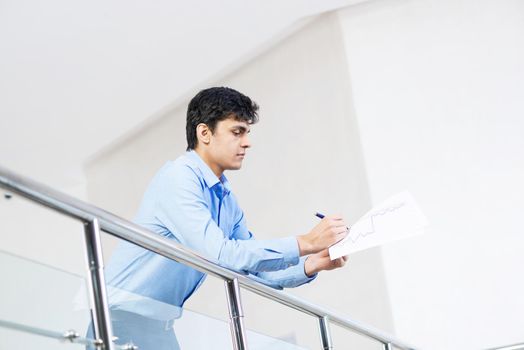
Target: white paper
[396, 218]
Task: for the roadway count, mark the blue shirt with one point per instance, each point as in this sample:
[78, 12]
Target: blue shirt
[185, 201]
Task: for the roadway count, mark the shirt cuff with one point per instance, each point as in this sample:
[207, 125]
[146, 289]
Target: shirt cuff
[291, 277]
[290, 251]
[298, 275]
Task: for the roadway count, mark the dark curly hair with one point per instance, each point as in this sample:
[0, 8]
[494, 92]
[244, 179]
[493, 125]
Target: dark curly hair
[212, 105]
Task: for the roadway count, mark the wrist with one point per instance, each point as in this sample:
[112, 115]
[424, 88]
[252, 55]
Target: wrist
[310, 268]
[304, 246]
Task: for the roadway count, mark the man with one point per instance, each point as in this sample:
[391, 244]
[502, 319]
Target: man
[190, 200]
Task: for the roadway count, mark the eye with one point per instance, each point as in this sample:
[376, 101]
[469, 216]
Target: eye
[237, 132]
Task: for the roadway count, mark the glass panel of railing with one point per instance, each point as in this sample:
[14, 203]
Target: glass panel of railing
[281, 322]
[142, 321]
[40, 304]
[20, 337]
[198, 331]
[348, 339]
[153, 325]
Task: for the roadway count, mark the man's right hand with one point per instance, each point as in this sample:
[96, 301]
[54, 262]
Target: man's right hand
[327, 232]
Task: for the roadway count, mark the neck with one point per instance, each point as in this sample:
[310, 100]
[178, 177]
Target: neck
[214, 168]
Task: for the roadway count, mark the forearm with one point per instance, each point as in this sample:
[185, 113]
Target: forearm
[291, 277]
[254, 256]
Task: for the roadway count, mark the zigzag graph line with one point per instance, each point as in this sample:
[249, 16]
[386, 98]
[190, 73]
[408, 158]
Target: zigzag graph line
[372, 218]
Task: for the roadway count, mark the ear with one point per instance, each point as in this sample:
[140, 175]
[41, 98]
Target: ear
[203, 133]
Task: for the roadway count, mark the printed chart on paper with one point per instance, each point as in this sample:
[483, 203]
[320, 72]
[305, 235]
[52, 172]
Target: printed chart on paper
[396, 218]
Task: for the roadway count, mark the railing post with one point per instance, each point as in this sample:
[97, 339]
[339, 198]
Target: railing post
[97, 285]
[388, 346]
[325, 334]
[236, 314]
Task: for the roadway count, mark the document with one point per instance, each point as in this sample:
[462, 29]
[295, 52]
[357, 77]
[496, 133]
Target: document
[396, 218]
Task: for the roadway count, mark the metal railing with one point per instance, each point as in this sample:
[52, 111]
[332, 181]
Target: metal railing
[96, 219]
[519, 346]
[67, 336]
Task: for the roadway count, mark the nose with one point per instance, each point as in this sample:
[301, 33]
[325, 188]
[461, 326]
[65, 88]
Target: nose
[246, 143]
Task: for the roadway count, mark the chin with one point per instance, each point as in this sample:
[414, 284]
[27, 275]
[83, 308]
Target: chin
[236, 166]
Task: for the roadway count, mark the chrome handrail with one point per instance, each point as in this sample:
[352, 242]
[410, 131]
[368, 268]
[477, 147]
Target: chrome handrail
[519, 346]
[138, 235]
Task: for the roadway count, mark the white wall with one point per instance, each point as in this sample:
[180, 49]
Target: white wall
[32, 231]
[306, 158]
[77, 75]
[439, 96]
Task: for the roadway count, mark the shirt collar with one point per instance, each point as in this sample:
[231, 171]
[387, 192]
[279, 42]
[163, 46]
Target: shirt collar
[209, 176]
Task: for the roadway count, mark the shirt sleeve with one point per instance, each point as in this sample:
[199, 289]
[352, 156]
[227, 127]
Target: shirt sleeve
[291, 277]
[181, 207]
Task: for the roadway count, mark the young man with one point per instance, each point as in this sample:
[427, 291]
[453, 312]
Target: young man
[190, 200]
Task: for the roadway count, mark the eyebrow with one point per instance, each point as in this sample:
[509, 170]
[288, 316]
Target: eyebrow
[241, 128]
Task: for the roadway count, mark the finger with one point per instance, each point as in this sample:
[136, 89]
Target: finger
[341, 229]
[342, 234]
[337, 219]
[335, 263]
[339, 223]
[338, 228]
[323, 253]
[334, 239]
[338, 238]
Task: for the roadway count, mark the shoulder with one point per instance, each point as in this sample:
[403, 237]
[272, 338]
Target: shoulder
[182, 167]
[177, 173]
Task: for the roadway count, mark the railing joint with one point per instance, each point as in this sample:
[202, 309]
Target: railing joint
[70, 335]
[129, 346]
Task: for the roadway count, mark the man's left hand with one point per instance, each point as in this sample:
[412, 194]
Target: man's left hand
[322, 262]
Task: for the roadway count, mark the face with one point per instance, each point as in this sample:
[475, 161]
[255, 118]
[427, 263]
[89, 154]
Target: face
[227, 145]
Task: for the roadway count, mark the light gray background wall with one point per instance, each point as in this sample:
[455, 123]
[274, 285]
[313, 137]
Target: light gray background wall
[439, 95]
[306, 158]
[32, 231]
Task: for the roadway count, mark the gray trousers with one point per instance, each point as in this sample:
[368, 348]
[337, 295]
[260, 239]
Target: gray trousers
[146, 333]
